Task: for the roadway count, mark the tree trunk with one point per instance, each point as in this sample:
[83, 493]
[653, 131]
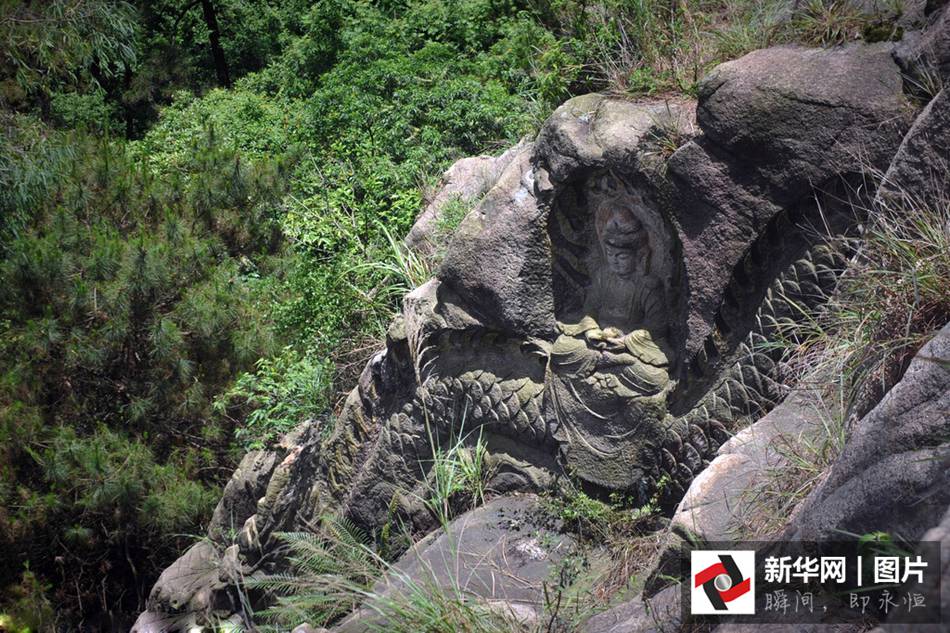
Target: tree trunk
[220, 63]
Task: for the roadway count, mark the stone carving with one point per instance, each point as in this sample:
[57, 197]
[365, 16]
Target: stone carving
[598, 316]
[608, 369]
[625, 290]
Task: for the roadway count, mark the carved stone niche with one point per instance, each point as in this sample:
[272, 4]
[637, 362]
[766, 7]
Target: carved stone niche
[610, 364]
[613, 257]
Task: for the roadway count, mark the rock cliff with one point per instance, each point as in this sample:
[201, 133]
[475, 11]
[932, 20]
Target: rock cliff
[602, 315]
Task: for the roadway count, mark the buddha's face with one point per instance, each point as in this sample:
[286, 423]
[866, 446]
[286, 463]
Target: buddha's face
[623, 240]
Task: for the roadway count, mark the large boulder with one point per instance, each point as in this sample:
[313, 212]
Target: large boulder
[500, 555]
[919, 175]
[894, 472]
[925, 54]
[777, 124]
[797, 116]
[462, 184]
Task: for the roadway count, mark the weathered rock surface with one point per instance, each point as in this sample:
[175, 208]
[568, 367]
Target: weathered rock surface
[658, 614]
[721, 499]
[498, 554]
[940, 533]
[919, 175]
[242, 492]
[800, 115]
[894, 472]
[892, 476]
[777, 123]
[184, 592]
[925, 54]
[463, 183]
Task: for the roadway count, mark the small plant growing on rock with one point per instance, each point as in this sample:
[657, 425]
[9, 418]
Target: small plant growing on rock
[331, 571]
[621, 541]
[277, 396]
[827, 23]
[458, 477]
[832, 22]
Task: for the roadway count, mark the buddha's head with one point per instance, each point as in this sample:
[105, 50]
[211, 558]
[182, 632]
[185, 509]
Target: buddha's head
[623, 240]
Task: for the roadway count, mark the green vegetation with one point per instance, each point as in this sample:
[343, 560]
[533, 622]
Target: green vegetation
[458, 477]
[201, 212]
[282, 391]
[335, 568]
[619, 542]
[128, 301]
[333, 573]
[891, 300]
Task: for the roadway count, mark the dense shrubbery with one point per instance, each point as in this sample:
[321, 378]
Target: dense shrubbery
[127, 302]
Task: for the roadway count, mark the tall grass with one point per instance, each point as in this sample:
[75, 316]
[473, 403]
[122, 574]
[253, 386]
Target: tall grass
[659, 47]
[458, 475]
[891, 300]
[333, 573]
[894, 297]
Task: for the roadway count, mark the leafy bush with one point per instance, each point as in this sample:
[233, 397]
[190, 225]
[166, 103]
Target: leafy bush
[85, 111]
[65, 43]
[279, 394]
[255, 126]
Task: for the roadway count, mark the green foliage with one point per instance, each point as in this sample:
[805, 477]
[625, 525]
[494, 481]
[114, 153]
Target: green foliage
[331, 571]
[747, 26]
[281, 392]
[826, 23]
[245, 122]
[452, 214]
[31, 159]
[128, 301]
[434, 609]
[65, 43]
[25, 606]
[603, 521]
[90, 111]
[832, 22]
[457, 476]
[115, 482]
[402, 271]
[400, 95]
[582, 513]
